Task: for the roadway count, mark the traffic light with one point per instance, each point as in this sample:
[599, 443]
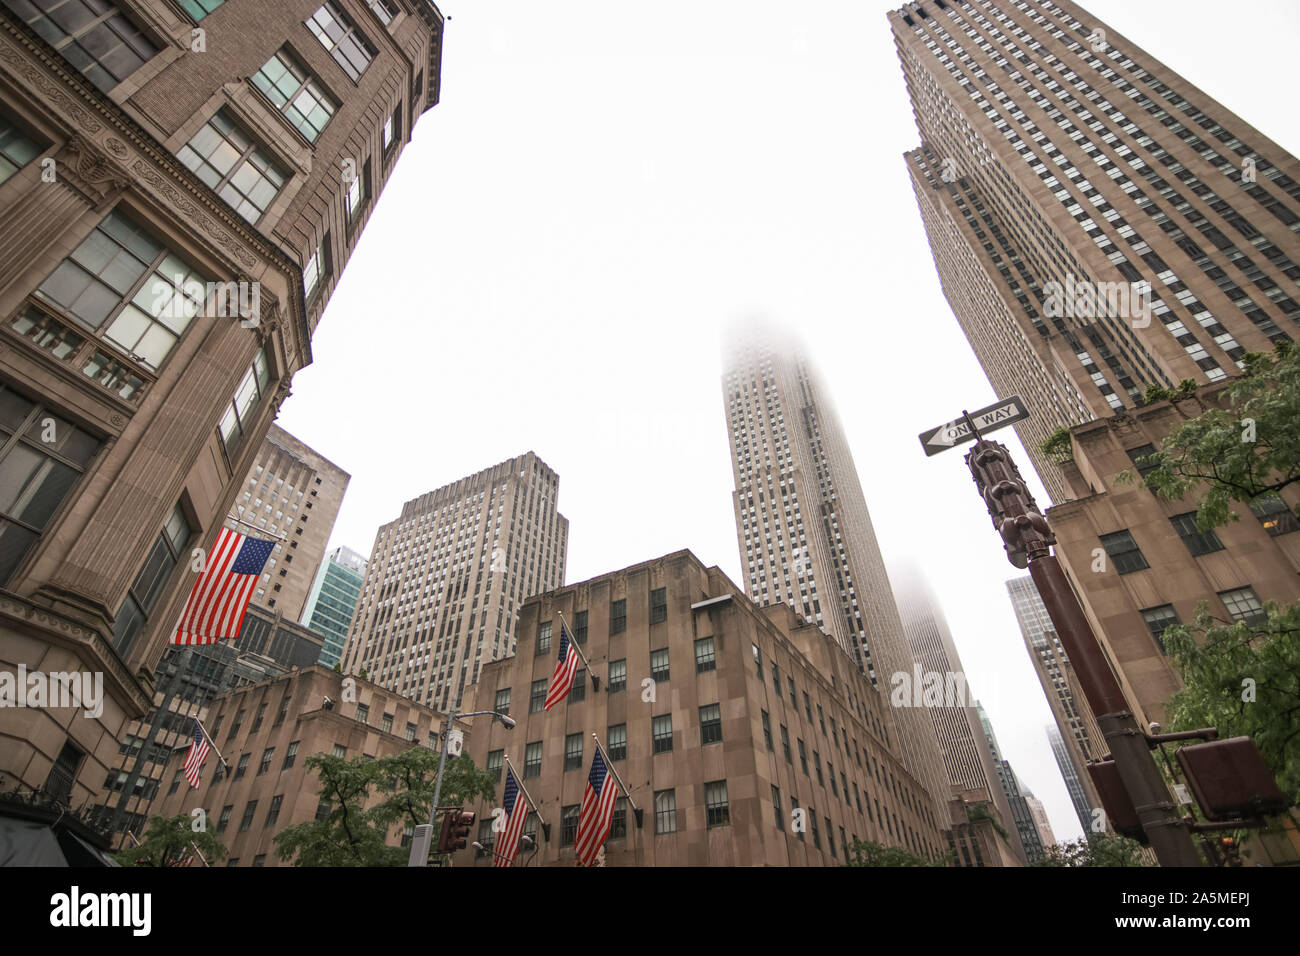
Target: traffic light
[454, 831]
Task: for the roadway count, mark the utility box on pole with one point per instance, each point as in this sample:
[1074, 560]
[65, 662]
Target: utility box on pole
[421, 841]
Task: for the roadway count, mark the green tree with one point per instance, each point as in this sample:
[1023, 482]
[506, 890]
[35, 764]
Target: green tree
[870, 853]
[168, 840]
[364, 798]
[1097, 849]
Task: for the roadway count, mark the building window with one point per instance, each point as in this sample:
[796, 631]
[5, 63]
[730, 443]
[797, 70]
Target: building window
[579, 691]
[1140, 457]
[345, 42]
[355, 198]
[242, 767]
[249, 810]
[1160, 619]
[616, 740]
[176, 781]
[830, 835]
[503, 701]
[711, 724]
[785, 745]
[658, 605]
[617, 675]
[665, 811]
[537, 696]
[198, 9]
[569, 825]
[758, 660]
[1274, 514]
[410, 733]
[257, 721]
[1243, 605]
[266, 761]
[323, 809]
[777, 813]
[533, 760]
[273, 813]
[486, 837]
[573, 752]
[58, 783]
[659, 665]
[224, 820]
[284, 710]
[1197, 542]
[363, 713]
[129, 289]
[544, 637]
[705, 658]
[816, 834]
[663, 733]
[291, 755]
[317, 267]
[580, 627]
[1124, 552]
[817, 765]
[495, 762]
[296, 94]
[767, 731]
[618, 824]
[150, 582]
[717, 811]
[340, 751]
[16, 150]
[793, 702]
[803, 756]
[618, 616]
[384, 10]
[392, 130]
[386, 723]
[239, 170]
[93, 35]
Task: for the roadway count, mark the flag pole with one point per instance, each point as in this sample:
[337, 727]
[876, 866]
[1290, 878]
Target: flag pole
[609, 765]
[259, 530]
[520, 780]
[595, 681]
[209, 739]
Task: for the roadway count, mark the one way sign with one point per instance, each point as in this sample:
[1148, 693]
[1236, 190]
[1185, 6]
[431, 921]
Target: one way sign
[957, 432]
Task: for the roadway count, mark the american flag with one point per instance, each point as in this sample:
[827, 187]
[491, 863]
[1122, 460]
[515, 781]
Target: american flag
[516, 807]
[220, 596]
[597, 811]
[198, 753]
[565, 668]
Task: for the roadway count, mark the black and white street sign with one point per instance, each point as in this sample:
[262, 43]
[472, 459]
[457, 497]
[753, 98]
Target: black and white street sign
[1006, 412]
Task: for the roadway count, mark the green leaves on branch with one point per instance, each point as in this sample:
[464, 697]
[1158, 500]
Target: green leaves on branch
[869, 853]
[1097, 849]
[368, 802]
[168, 841]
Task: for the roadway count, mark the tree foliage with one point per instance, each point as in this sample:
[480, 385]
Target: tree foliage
[366, 798]
[169, 841]
[1096, 849]
[870, 853]
[1245, 452]
[1245, 680]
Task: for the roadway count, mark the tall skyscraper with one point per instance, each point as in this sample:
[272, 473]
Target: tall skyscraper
[1074, 718]
[181, 185]
[294, 493]
[1044, 825]
[333, 601]
[1073, 776]
[805, 534]
[446, 579]
[967, 758]
[1100, 225]
[1013, 791]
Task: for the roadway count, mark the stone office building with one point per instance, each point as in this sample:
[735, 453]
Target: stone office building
[266, 732]
[181, 185]
[747, 735]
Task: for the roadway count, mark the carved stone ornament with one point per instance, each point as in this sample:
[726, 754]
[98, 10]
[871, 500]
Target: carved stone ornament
[89, 171]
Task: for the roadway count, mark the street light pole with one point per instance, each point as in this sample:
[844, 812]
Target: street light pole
[1028, 539]
[417, 845]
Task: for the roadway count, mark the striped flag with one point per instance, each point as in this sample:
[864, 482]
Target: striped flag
[597, 811]
[565, 668]
[198, 753]
[220, 596]
[516, 807]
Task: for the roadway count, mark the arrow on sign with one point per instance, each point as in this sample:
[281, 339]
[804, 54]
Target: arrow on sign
[997, 415]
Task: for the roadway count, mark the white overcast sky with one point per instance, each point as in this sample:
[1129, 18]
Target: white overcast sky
[604, 187]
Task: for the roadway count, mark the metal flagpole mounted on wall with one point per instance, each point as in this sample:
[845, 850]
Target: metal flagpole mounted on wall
[213, 742]
[573, 642]
[249, 524]
[609, 765]
[546, 827]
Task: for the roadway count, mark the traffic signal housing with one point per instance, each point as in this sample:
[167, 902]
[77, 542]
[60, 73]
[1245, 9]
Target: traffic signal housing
[455, 830]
